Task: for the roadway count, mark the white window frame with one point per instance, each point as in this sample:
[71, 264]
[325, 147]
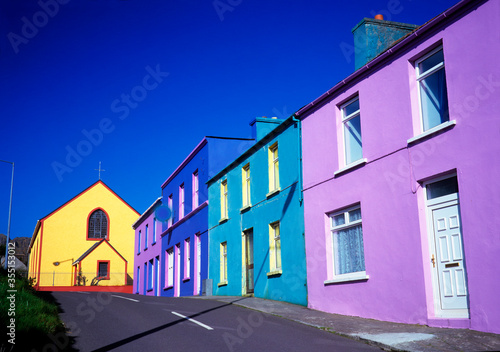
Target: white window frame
[170, 204]
[354, 276]
[187, 259]
[224, 200]
[245, 170]
[344, 119]
[274, 174]
[146, 228]
[181, 201]
[223, 263]
[196, 186]
[274, 255]
[421, 76]
[170, 267]
[154, 230]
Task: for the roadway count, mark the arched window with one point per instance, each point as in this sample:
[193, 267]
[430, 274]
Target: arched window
[98, 225]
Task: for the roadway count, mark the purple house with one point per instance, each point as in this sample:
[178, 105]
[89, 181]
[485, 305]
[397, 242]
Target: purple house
[401, 176]
[148, 252]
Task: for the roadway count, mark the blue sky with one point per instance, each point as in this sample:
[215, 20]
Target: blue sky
[136, 84]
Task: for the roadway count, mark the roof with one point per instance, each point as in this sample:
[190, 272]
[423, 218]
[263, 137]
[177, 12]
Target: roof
[191, 155]
[146, 213]
[397, 47]
[91, 249]
[274, 132]
[69, 201]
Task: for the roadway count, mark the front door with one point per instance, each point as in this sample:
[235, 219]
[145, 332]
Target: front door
[198, 264]
[249, 260]
[447, 254]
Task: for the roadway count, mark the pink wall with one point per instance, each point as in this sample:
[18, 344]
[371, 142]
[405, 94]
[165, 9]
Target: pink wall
[396, 244]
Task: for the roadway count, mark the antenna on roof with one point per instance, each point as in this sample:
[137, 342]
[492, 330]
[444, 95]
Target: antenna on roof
[99, 169]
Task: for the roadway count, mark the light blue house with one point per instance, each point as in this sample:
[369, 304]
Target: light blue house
[256, 218]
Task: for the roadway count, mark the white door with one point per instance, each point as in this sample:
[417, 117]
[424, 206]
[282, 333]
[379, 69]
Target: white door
[198, 264]
[177, 268]
[447, 254]
[158, 276]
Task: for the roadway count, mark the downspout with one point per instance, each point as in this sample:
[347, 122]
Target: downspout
[299, 141]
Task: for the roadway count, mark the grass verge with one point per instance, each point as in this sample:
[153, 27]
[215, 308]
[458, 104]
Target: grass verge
[36, 325]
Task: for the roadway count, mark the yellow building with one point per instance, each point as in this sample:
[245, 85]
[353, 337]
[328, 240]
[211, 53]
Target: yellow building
[88, 241]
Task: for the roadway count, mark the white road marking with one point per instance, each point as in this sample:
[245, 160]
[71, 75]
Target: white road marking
[130, 299]
[194, 321]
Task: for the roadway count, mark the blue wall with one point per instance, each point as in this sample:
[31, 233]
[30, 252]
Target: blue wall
[284, 207]
[212, 154]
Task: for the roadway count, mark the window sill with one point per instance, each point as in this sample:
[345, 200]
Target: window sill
[149, 290]
[361, 276]
[245, 208]
[223, 283]
[274, 273]
[153, 243]
[145, 249]
[185, 279]
[273, 192]
[433, 130]
[168, 288]
[223, 220]
[350, 167]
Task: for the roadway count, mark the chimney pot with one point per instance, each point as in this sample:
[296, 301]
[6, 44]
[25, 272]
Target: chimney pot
[379, 17]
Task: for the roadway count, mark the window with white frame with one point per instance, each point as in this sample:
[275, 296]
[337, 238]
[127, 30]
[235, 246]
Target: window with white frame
[223, 262]
[170, 204]
[245, 172]
[196, 190]
[347, 240]
[187, 258]
[170, 268]
[150, 275]
[431, 79]
[146, 233]
[274, 168]
[223, 200]
[138, 279]
[274, 247]
[139, 244]
[181, 201]
[351, 121]
[154, 230]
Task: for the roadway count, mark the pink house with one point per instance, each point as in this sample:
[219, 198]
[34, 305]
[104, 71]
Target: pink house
[401, 176]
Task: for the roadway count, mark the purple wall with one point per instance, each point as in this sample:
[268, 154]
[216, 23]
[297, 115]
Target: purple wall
[389, 186]
[144, 254]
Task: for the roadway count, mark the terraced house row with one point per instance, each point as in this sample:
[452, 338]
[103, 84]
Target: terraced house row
[378, 199]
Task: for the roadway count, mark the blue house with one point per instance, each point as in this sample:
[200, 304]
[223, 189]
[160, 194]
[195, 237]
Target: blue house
[184, 236]
[256, 218]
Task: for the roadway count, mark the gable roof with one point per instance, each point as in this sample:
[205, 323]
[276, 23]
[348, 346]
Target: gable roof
[94, 246]
[146, 213]
[71, 200]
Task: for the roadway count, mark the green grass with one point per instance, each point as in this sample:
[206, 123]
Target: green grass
[36, 316]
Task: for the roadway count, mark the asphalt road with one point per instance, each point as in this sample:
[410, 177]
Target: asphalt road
[124, 322]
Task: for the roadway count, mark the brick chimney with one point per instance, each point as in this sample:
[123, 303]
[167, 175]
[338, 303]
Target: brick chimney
[374, 35]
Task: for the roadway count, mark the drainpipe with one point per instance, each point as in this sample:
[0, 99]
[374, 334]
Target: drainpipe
[299, 141]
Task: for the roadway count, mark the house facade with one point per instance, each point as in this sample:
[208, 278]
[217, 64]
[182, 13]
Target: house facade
[256, 218]
[400, 188]
[184, 237]
[85, 244]
[148, 251]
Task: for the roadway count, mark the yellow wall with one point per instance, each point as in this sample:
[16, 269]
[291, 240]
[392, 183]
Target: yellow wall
[117, 266]
[64, 235]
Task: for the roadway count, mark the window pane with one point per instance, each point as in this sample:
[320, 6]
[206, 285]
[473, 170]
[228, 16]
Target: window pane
[339, 220]
[430, 62]
[351, 108]
[442, 188]
[348, 250]
[353, 149]
[354, 215]
[434, 100]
